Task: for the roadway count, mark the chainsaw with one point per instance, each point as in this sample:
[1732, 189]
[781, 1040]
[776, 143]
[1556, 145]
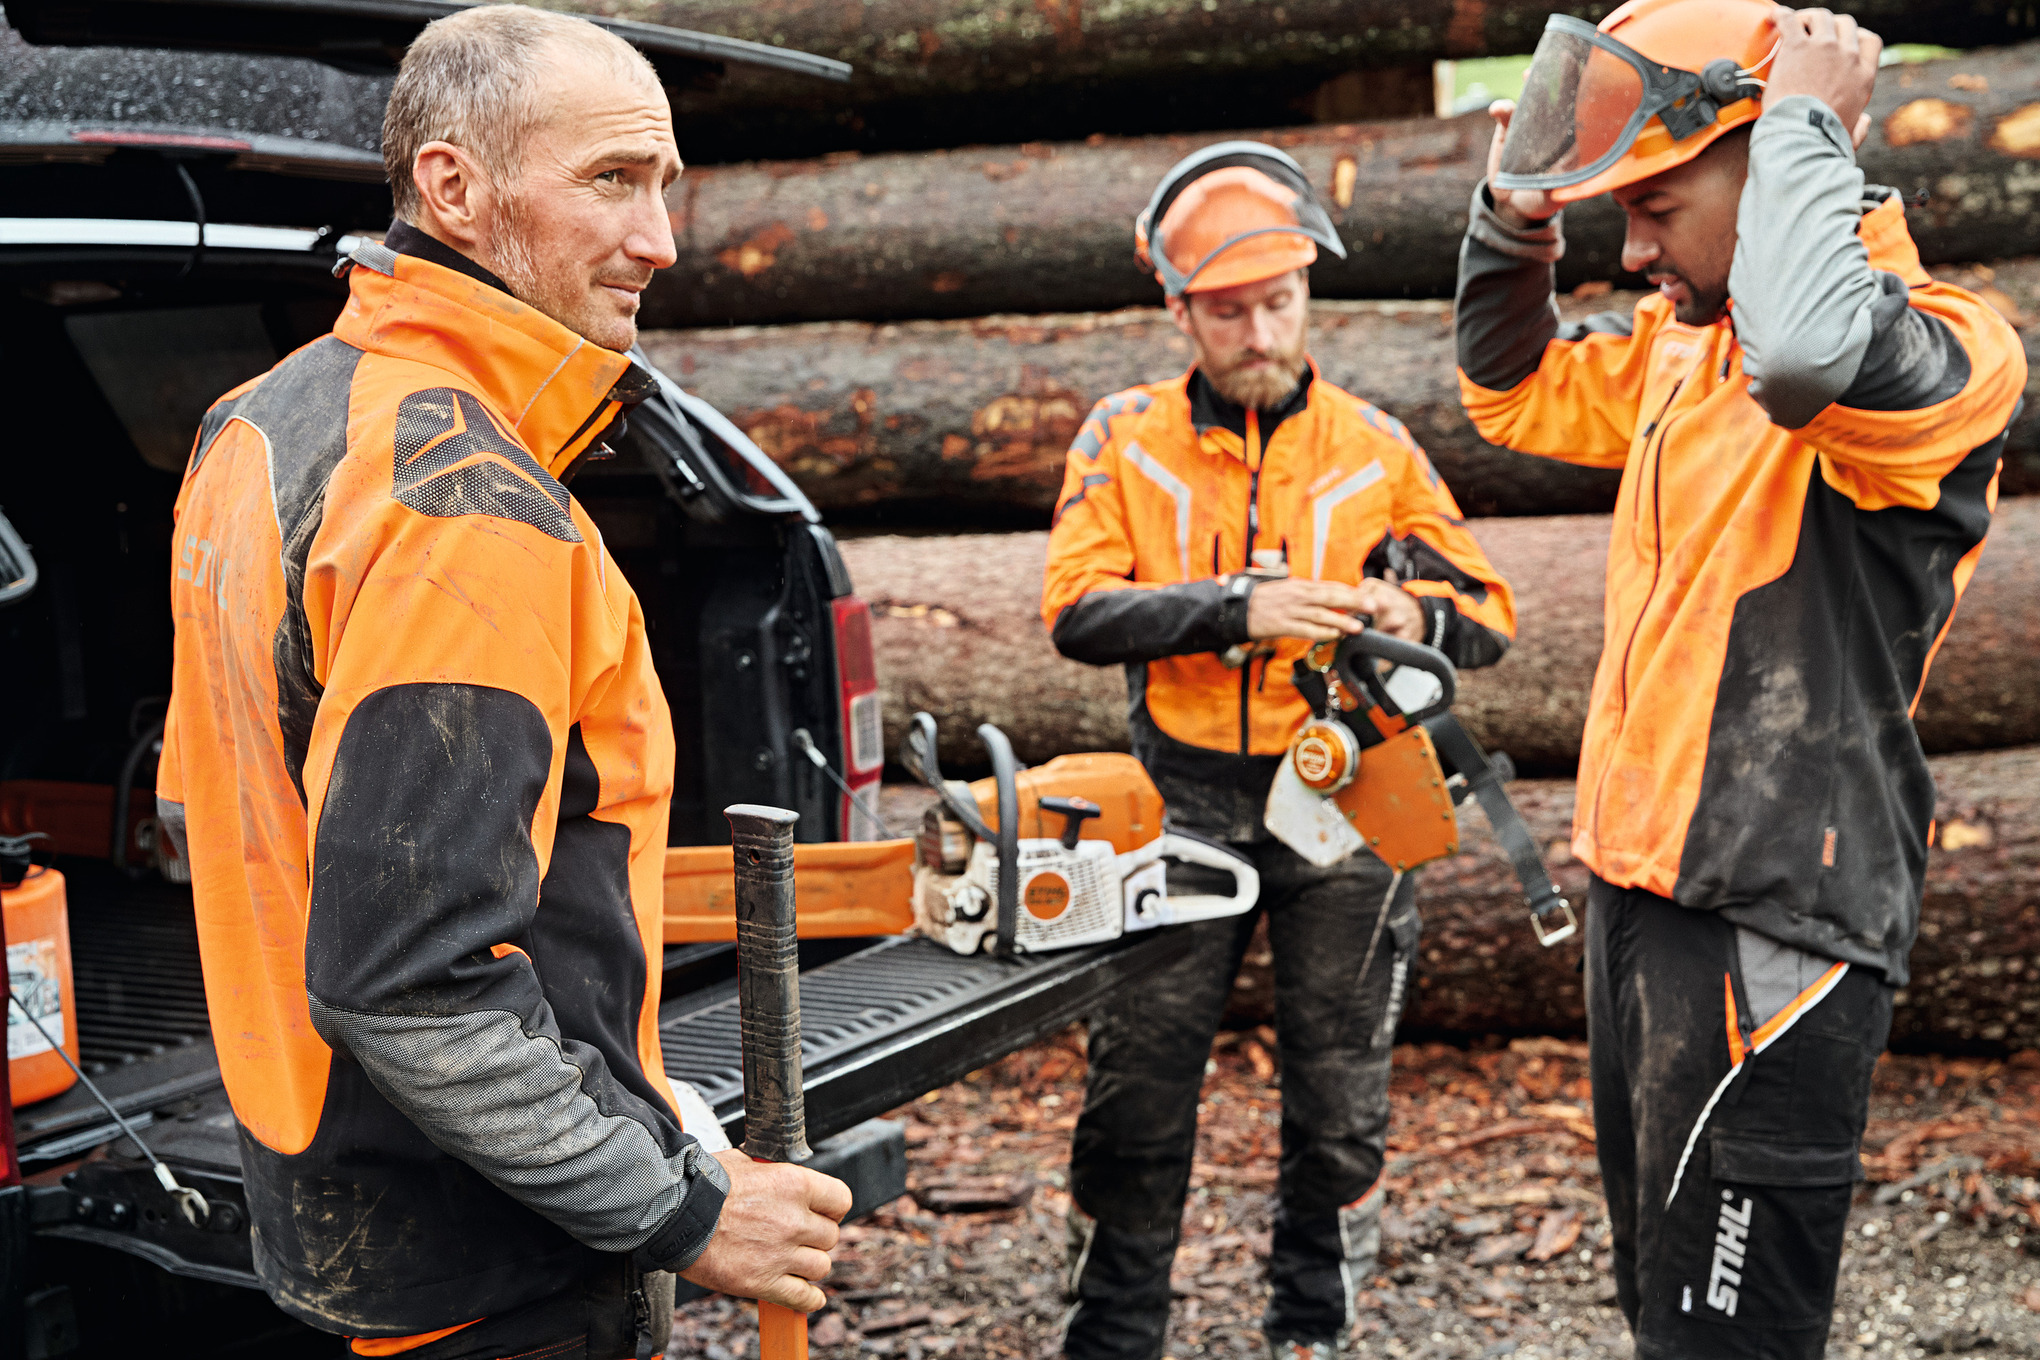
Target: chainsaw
[1005, 876]
[1382, 763]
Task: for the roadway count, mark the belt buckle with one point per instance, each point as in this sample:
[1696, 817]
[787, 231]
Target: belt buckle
[1548, 938]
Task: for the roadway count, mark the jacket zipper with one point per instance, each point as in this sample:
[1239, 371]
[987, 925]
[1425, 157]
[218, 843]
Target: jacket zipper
[1253, 451]
[1660, 425]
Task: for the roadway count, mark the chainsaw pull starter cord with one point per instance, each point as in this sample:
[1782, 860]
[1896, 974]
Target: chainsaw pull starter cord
[805, 744]
[189, 1202]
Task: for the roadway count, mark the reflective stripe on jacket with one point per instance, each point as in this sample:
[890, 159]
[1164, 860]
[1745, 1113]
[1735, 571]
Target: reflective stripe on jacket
[1152, 531]
[1775, 594]
[424, 765]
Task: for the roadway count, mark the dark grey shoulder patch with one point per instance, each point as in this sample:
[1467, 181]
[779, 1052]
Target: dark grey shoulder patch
[1600, 323]
[452, 459]
[301, 411]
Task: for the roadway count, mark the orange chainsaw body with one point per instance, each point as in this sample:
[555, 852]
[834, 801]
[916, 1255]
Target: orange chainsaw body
[1399, 804]
[1131, 807]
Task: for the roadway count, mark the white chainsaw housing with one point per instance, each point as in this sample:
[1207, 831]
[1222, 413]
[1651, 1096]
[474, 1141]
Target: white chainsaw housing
[1084, 896]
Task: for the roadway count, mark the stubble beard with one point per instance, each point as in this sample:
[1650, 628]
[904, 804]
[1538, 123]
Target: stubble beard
[558, 297]
[1261, 388]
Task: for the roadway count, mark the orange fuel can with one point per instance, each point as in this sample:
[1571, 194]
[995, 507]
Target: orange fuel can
[39, 977]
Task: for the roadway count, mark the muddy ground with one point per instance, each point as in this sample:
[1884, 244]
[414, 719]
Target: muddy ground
[1495, 1238]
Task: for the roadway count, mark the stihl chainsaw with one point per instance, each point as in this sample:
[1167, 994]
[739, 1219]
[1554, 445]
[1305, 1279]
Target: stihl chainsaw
[1366, 773]
[1068, 854]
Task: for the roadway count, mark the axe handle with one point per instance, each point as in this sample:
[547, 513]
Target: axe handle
[768, 1012]
[768, 983]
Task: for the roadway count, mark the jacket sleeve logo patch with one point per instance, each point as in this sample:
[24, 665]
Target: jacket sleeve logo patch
[453, 459]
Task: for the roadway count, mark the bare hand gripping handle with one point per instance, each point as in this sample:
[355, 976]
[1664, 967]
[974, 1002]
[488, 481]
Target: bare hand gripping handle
[768, 983]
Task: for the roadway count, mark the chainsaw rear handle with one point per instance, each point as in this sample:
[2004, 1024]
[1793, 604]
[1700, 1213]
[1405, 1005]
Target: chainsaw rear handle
[1372, 642]
[1191, 848]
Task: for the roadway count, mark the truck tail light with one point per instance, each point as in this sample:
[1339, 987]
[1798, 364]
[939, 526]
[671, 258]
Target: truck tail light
[863, 733]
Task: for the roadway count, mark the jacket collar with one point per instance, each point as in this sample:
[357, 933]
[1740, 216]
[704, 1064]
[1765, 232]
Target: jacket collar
[554, 389]
[1209, 411]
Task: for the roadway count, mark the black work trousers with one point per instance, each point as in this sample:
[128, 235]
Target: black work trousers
[1728, 1185]
[1131, 1156]
[616, 1313]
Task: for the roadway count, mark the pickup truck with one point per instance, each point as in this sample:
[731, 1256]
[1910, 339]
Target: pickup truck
[180, 179]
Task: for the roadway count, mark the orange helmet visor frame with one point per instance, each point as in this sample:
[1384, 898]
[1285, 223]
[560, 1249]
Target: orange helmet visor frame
[1276, 223]
[1597, 114]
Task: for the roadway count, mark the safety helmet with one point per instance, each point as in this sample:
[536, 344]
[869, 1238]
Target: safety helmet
[1233, 213]
[1650, 89]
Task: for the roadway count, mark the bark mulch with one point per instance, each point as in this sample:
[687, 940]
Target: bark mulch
[1494, 1243]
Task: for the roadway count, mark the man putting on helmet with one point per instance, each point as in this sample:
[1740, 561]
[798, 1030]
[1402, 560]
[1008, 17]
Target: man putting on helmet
[1809, 429]
[1212, 528]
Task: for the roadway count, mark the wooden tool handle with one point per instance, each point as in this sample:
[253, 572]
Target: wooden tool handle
[782, 1333]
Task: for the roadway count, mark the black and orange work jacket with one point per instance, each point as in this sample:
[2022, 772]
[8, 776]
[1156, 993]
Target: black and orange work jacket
[1168, 492]
[1791, 536]
[422, 765]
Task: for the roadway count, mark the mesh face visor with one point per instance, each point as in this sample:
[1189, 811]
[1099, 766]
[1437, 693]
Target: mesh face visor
[1231, 212]
[1587, 97]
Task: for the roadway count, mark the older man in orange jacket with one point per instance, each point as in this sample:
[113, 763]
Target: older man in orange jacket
[1212, 528]
[422, 760]
[1809, 429]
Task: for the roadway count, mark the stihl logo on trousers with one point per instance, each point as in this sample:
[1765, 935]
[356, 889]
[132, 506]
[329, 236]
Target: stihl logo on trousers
[1731, 1245]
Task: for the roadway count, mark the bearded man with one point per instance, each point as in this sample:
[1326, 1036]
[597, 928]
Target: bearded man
[1212, 529]
[422, 762]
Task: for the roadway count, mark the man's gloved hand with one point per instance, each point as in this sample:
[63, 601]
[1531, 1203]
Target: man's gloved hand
[1297, 607]
[1829, 57]
[1520, 208]
[777, 1228]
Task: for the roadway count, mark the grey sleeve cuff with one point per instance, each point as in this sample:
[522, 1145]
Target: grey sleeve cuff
[678, 1242]
[1542, 242]
[1802, 283]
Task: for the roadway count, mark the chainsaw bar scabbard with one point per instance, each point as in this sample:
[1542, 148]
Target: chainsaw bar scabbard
[768, 982]
[1551, 916]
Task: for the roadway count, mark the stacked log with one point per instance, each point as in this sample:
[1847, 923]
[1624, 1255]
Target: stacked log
[1048, 227]
[942, 72]
[959, 423]
[1973, 968]
[957, 631]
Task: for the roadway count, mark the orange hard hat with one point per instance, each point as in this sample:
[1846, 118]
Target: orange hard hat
[1650, 89]
[1233, 213]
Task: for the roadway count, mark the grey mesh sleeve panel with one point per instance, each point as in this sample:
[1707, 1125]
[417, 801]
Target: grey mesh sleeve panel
[509, 1103]
[1503, 313]
[1802, 283]
[1914, 359]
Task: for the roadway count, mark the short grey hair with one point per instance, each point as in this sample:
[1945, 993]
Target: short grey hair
[473, 79]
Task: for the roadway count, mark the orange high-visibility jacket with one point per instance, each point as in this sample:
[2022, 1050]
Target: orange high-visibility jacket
[422, 764]
[1774, 594]
[1167, 492]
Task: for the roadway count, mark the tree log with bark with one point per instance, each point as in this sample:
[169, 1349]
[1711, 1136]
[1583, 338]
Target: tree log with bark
[957, 631]
[1975, 971]
[940, 72]
[1048, 227]
[961, 423]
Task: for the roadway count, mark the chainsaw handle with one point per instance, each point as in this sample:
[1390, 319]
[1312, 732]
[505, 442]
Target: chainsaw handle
[917, 755]
[1191, 848]
[1005, 771]
[1372, 642]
